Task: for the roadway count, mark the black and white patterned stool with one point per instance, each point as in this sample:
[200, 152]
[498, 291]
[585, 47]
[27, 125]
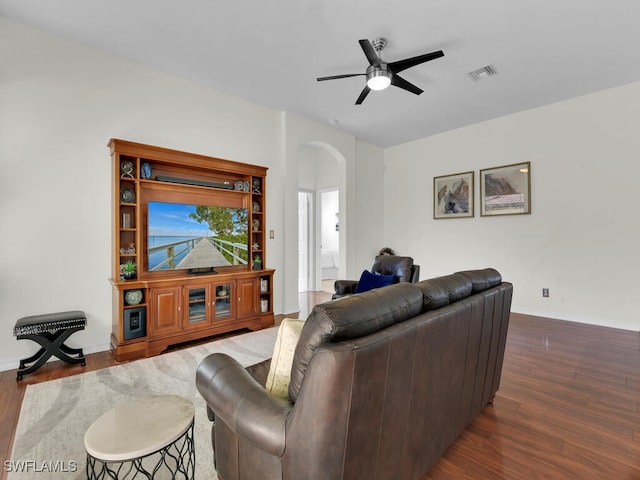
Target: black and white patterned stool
[50, 330]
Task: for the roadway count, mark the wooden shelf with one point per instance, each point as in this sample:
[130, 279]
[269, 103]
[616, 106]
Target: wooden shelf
[172, 315]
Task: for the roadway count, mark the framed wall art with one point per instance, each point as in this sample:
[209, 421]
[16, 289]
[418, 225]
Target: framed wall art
[453, 196]
[506, 190]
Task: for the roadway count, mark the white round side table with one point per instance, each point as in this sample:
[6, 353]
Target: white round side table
[150, 437]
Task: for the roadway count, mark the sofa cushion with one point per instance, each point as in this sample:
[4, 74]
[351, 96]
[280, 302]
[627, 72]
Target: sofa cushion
[483, 279]
[280, 369]
[434, 294]
[457, 286]
[369, 281]
[349, 318]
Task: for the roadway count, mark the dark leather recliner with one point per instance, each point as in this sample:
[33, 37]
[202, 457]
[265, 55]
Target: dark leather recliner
[402, 267]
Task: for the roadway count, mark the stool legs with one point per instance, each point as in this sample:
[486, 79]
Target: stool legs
[52, 344]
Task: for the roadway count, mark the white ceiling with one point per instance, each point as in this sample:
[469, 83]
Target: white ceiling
[270, 52]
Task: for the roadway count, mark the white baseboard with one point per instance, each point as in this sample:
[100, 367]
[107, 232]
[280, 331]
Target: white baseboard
[570, 318]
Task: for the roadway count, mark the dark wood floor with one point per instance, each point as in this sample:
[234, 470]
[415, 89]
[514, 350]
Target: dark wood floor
[568, 405]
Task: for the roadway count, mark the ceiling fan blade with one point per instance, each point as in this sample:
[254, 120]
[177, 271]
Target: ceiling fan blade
[408, 86]
[335, 77]
[363, 95]
[369, 52]
[401, 65]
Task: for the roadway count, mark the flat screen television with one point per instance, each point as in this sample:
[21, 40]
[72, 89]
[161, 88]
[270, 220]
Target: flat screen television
[197, 238]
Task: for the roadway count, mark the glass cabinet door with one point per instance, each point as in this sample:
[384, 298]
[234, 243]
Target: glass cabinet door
[223, 303]
[197, 305]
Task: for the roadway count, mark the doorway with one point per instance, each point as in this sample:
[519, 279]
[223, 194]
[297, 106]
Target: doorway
[329, 238]
[318, 268]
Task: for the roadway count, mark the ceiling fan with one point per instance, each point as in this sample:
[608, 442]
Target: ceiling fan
[381, 74]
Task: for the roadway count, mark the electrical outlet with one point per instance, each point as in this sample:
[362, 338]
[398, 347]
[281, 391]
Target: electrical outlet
[545, 292]
[272, 234]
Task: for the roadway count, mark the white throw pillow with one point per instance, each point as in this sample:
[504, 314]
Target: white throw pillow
[280, 370]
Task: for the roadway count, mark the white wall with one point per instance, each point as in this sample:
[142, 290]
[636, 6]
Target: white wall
[60, 103]
[370, 224]
[581, 240]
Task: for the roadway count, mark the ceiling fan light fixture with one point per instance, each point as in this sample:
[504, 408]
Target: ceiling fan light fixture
[378, 79]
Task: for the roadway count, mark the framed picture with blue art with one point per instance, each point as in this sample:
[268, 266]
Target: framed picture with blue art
[506, 190]
[453, 196]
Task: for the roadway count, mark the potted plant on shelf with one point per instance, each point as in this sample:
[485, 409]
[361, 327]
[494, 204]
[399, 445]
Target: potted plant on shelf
[128, 270]
[257, 262]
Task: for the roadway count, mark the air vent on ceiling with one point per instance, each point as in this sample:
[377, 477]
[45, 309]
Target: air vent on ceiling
[484, 72]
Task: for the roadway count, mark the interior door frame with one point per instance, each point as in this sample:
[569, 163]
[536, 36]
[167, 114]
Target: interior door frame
[310, 227]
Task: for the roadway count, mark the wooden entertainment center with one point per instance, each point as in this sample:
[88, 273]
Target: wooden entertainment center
[167, 304]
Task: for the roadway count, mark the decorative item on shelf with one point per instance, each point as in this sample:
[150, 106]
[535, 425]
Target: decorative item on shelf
[247, 186]
[257, 262]
[133, 297]
[256, 224]
[128, 270]
[222, 292]
[239, 186]
[127, 195]
[146, 170]
[126, 220]
[264, 305]
[126, 169]
[131, 250]
[255, 246]
[256, 185]
[264, 285]
[255, 207]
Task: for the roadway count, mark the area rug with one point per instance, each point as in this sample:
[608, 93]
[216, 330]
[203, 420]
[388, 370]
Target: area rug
[49, 439]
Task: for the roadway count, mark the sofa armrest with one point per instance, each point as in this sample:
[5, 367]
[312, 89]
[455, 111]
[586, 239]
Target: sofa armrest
[242, 403]
[345, 287]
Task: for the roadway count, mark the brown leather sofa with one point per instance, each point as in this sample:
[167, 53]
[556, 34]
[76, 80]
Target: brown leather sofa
[402, 267]
[382, 383]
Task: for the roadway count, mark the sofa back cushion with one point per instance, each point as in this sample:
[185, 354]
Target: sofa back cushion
[483, 279]
[349, 318]
[441, 291]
